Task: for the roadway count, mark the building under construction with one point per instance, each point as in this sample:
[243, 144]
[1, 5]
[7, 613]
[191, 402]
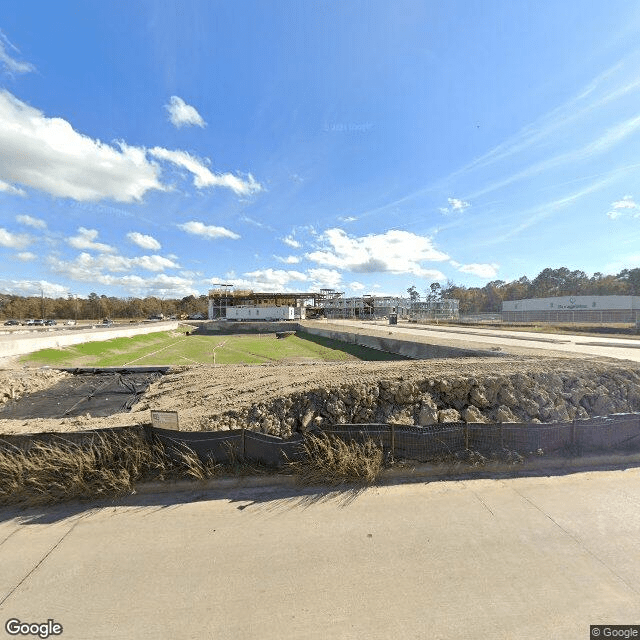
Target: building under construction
[327, 303]
[378, 307]
[227, 297]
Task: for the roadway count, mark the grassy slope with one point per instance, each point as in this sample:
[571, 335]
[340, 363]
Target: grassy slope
[171, 348]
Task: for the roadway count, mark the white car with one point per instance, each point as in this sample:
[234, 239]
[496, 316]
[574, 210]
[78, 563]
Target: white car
[70, 322]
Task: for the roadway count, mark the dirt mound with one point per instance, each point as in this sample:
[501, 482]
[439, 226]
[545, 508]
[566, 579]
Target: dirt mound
[17, 383]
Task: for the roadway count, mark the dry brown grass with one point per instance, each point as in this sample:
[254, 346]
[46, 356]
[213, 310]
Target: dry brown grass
[107, 466]
[330, 460]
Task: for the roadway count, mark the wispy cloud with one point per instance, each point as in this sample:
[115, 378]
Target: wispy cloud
[29, 221]
[9, 62]
[8, 188]
[291, 241]
[85, 239]
[454, 205]
[202, 176]
[182, 114]
[626, 205]
[255, 223]
[13, 240]
[143, 241]
[288, 259]
[537, 213]
[481, 270]
[208, 231]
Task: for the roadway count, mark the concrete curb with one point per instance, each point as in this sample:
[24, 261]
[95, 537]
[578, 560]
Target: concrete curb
[416, 473]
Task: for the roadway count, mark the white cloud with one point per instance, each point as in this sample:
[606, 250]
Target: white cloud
[47, 154]
[107, 270]
[33, 288]
[288, 259]
[153, 263]
[348, 219]
[325, 278]
[182, 114]
[255, 223]
[480, 270]
[390, 252]
[14, 191]
[144, 242]
[36, 223]
[202, 176]
[457, 205]
[11, 64]
[13, 240]
[291, 241]
[268, 280]
[356, 286]
[85, 265]
[85, 240]
[26, 256]
[207, 231]
[620, 207]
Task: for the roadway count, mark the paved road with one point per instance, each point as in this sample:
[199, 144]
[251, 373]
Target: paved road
[518, 342]
[515, 558]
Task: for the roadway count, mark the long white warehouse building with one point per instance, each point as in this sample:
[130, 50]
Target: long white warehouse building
[573, 309]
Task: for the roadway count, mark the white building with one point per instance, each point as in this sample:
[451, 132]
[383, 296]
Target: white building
[573, 309]
[262, 313]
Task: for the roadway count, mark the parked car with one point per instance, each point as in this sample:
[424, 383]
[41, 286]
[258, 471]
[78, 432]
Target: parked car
[11, 323]
[50, 322]
[196, 316]
[70, 322]
[29, 323]
[39, 322]
[107, 323]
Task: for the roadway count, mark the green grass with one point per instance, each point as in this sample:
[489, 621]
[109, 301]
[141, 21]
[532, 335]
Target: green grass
[176, 348]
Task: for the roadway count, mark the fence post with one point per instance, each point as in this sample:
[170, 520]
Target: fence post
[243, 449]
[466, 437]
[393, 440]
[501, 439]
[573, 433]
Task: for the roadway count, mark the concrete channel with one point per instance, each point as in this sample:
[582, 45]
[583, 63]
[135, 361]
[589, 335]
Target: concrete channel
[15, 344]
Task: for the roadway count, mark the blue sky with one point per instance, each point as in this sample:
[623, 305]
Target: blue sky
[155, 148]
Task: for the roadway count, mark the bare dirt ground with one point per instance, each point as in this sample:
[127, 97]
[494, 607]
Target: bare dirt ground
[286, 398]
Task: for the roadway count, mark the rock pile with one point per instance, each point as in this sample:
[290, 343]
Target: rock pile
[520, 397]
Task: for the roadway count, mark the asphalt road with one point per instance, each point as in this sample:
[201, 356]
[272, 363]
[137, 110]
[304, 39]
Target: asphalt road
[550, 344]
[505, 558]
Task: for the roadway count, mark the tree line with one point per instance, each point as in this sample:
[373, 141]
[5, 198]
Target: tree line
[548, 283]
[96, 307]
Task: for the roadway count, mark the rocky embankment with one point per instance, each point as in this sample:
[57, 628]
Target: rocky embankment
[284, 399]
[516, 397]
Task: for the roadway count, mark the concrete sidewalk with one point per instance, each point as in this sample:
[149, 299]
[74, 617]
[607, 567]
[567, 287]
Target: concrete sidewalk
[508, 558]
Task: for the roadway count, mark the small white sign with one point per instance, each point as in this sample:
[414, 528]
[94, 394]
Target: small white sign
[164, 419]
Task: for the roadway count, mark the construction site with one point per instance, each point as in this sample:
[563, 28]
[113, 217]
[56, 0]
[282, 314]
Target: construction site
[244, 304]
